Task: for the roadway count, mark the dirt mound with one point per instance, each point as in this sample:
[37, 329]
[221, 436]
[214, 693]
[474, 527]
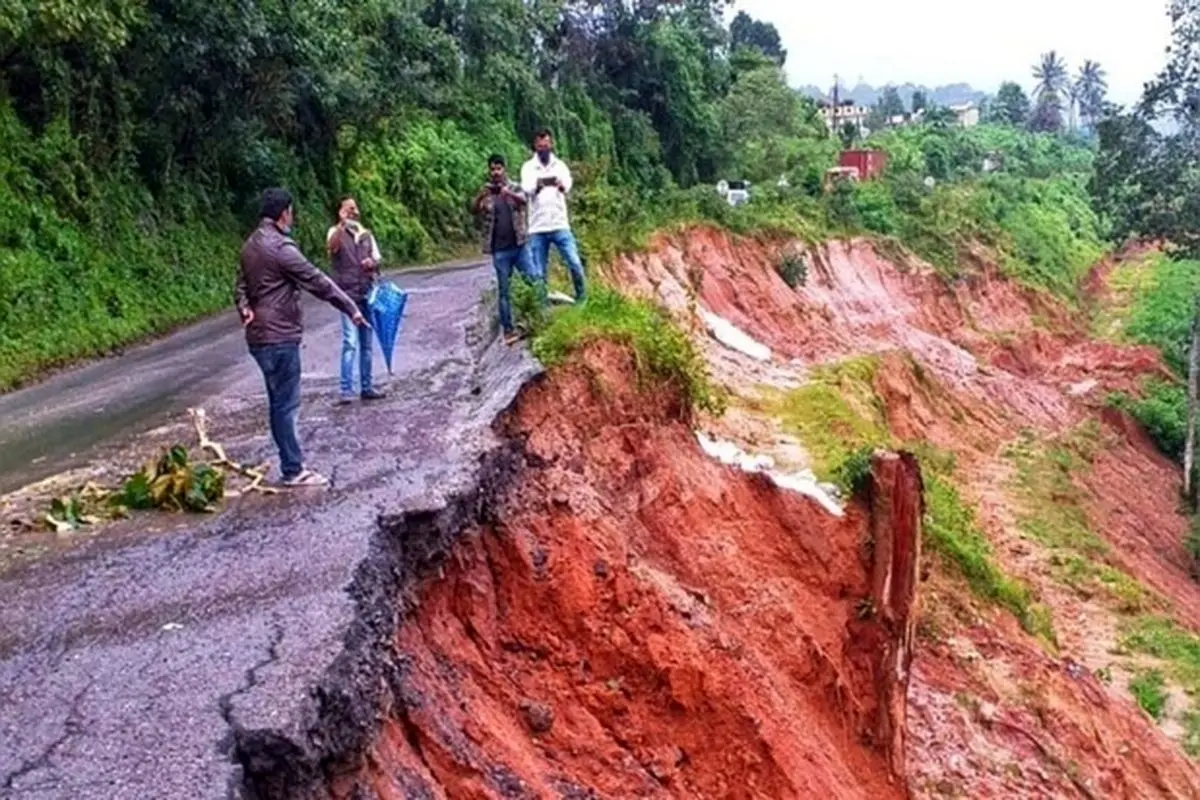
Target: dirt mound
[637, 620]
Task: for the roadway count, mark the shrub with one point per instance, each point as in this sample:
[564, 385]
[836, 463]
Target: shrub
[853, 475]
[793, 269]
[1162, 411]
[663, 351]
[1149, 688]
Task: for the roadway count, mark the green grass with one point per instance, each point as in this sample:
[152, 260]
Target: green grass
[1163, 639]
[1161, 307]
[1054, 515]
[1178, 650]
[952, 532]
[1149, 688]
[1161, 410]
[837, 415]
[662, 350]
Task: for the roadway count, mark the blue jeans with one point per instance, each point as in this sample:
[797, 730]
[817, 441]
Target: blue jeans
[564, 240]
[355, 341]
[280, 365]
[504, 261]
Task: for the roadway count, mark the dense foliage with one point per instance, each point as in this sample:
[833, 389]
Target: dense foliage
[138, 135]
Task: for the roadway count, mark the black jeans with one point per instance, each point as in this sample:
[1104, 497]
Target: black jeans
[280, 365]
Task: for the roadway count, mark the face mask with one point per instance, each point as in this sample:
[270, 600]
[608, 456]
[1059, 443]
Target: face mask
[544, 156]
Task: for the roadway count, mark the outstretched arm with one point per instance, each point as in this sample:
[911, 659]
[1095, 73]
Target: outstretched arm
[313, 281]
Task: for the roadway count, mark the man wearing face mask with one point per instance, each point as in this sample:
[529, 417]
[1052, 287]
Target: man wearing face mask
[271, 274]
[355, 258]
[546, 180]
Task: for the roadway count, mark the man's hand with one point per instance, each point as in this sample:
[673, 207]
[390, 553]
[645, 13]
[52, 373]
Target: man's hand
[247, 317]
[359, 320]
[368, 264]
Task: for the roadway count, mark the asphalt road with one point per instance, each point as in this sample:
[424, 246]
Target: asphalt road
[140, 668]
[59, 423]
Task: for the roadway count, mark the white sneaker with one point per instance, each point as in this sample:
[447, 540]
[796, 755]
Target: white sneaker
[307, 479]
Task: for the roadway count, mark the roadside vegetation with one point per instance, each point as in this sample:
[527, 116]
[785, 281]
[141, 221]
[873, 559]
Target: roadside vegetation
[137, 142]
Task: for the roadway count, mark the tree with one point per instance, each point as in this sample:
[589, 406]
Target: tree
[1011, 106]
[940, 116]
[1051, 75]
[1092, 86]
[758, 116]
[919, 101]
[890, 104]
[747, 32]
[850, 134]
[1047, 114]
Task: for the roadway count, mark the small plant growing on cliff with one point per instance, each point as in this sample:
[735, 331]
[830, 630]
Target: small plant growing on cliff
[1150, 691]
[793, 269]
[865, 609]
[853, 475]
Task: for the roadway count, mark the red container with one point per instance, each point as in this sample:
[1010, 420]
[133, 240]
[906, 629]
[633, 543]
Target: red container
[869, 163]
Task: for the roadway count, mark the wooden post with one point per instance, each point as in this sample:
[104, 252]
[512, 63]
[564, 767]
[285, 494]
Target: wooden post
[1189, 451]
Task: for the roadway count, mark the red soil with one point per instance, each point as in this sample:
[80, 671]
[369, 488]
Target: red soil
[644, 622]
[988, 361]
[639, 621]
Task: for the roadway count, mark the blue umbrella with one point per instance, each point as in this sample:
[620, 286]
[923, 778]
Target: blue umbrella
[386, 303]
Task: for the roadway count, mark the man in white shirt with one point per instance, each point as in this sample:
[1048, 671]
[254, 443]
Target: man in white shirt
[546, 180]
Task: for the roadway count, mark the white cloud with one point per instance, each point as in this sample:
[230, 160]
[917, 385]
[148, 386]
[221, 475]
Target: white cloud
[949, 41]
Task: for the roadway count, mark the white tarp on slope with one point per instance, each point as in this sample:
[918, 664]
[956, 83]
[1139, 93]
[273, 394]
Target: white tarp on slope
[733, 337]
[804, 483]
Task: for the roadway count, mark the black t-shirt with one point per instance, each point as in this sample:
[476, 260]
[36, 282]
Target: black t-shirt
[504, 231]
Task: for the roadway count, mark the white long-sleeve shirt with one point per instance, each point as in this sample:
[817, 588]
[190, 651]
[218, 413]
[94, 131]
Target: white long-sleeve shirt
[548, 207]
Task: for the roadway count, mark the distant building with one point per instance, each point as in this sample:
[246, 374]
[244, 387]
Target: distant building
[836, 116]
[966, 114]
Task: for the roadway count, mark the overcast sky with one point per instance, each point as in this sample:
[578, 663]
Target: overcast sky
[937, 42]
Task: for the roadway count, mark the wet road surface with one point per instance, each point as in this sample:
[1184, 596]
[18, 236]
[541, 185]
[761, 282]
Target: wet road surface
[57, 424]
[126, 666]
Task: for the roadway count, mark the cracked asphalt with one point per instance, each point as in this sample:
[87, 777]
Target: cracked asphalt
[126, 664]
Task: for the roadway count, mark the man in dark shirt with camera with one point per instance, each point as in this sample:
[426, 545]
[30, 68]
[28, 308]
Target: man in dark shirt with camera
[501, 206]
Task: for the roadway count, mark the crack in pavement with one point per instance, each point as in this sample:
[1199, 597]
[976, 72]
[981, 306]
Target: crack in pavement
[251, 678]
[72, 726]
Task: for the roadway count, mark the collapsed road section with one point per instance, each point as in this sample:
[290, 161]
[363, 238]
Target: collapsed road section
[519, 588]
[612, 613]
[157, 665]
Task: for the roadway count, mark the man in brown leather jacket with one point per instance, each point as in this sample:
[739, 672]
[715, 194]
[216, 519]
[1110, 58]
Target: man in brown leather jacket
[354, 256]
[270, 277]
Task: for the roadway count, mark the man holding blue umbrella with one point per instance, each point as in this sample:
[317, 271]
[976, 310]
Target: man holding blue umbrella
[354, 256]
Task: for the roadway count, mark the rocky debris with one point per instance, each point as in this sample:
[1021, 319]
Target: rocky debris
[539, 717]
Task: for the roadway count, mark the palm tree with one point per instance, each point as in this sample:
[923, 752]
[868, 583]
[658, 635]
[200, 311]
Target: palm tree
[1051, 74]
[1071, 89]
[1092, 84]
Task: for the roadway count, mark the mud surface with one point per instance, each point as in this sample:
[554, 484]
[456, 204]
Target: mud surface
[979, 367]
[142, 665]
[633, 619]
